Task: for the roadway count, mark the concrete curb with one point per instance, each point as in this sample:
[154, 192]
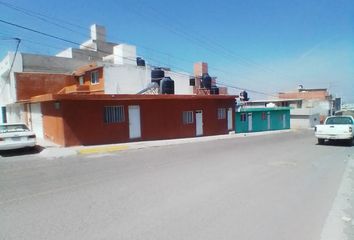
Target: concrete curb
[58, 152]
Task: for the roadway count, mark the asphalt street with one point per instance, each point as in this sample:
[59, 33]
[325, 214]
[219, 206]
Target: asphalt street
[278, 186]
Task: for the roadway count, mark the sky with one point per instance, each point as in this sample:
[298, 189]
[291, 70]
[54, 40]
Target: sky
[264, 46]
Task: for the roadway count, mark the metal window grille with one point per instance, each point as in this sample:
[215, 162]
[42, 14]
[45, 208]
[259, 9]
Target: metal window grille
[94, 77]
[221, 113]
[188, 117]
[114, 114]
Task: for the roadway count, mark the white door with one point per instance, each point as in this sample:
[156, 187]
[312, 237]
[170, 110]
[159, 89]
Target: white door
[37, 120]
[229, 119]
[199, 122]
[268, 119]
[134, 122]
[250, 122]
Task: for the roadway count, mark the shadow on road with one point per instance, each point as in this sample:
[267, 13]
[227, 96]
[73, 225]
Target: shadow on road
[336, 143]
[20, 152]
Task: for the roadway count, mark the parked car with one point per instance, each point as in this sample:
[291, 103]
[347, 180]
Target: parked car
[15, 136]
[336, 128]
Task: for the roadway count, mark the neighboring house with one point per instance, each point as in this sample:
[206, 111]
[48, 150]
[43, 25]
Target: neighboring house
[118, 63]
[308, 106]
[262, 119]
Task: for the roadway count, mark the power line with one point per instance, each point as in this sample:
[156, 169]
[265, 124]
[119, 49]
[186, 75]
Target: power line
[200, 38]
[72, 42]
[41, 16]
[197, 38]
[48, 19]
[13, 60]
[60, 38]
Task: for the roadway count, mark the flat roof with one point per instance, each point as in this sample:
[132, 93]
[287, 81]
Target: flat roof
[263, 109]
[277, 100]
[123, 97]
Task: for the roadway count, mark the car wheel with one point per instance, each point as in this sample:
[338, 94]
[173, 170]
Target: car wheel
[320, 141]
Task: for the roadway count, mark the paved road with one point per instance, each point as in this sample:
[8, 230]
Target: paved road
[279, 186]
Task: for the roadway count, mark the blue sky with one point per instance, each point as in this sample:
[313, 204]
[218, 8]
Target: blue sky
[267, 46]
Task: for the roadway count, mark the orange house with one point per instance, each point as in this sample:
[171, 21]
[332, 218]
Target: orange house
[76, 119]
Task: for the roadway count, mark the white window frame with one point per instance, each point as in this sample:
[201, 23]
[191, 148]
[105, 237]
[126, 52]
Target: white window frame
[81, 80]
[113, 114]
[95, 78]
[221, 113]
[188, 117]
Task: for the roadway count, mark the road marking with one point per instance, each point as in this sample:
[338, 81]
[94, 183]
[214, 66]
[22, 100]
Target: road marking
[104, 149]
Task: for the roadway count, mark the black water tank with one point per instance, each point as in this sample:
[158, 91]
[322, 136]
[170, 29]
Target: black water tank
[156, 75]
[214, 90]
[140, 62]
[244, 96]
[192, 81]
[206, 81]
[167, 86]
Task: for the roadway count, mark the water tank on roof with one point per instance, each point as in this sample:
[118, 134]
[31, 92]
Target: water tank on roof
[214, 90]
[140, 62]
[167, 86]
[206, 81]
[244, 96]
[156, 75]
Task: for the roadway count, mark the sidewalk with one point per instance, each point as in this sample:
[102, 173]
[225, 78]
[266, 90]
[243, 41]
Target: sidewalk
[52, 150]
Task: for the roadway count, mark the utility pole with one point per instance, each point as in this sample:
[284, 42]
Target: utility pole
[13, 60]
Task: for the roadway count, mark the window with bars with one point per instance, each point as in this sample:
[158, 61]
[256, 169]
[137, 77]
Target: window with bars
[188, 117]
[114, 114]
[221, 113]
[264, 116]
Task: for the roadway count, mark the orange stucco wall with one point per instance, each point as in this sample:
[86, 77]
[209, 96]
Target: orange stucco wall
[94, 87]
[33, 84]
[80, 122]
[53, 123]
[320, 95]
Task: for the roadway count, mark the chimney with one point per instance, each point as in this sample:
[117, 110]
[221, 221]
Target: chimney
[200, 68]
[98, 33]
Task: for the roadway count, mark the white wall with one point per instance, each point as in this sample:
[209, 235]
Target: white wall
[181, 82]
[51, 64]
[129, 79]
[125, 79]
[124, 54]
[15, 113]
[7, 80]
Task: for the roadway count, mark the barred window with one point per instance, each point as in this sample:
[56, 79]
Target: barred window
[188, 117]
[264, 116]
[221, 113]
[114, 114]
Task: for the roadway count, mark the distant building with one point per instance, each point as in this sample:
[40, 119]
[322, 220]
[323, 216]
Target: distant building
[308, 106]
[262, 119]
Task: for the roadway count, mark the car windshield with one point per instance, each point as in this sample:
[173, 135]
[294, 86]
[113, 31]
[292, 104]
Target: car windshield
[13, 128]
[339, 120]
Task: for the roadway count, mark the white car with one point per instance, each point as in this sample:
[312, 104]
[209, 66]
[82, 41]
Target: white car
[336, 128]
[15, 136]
